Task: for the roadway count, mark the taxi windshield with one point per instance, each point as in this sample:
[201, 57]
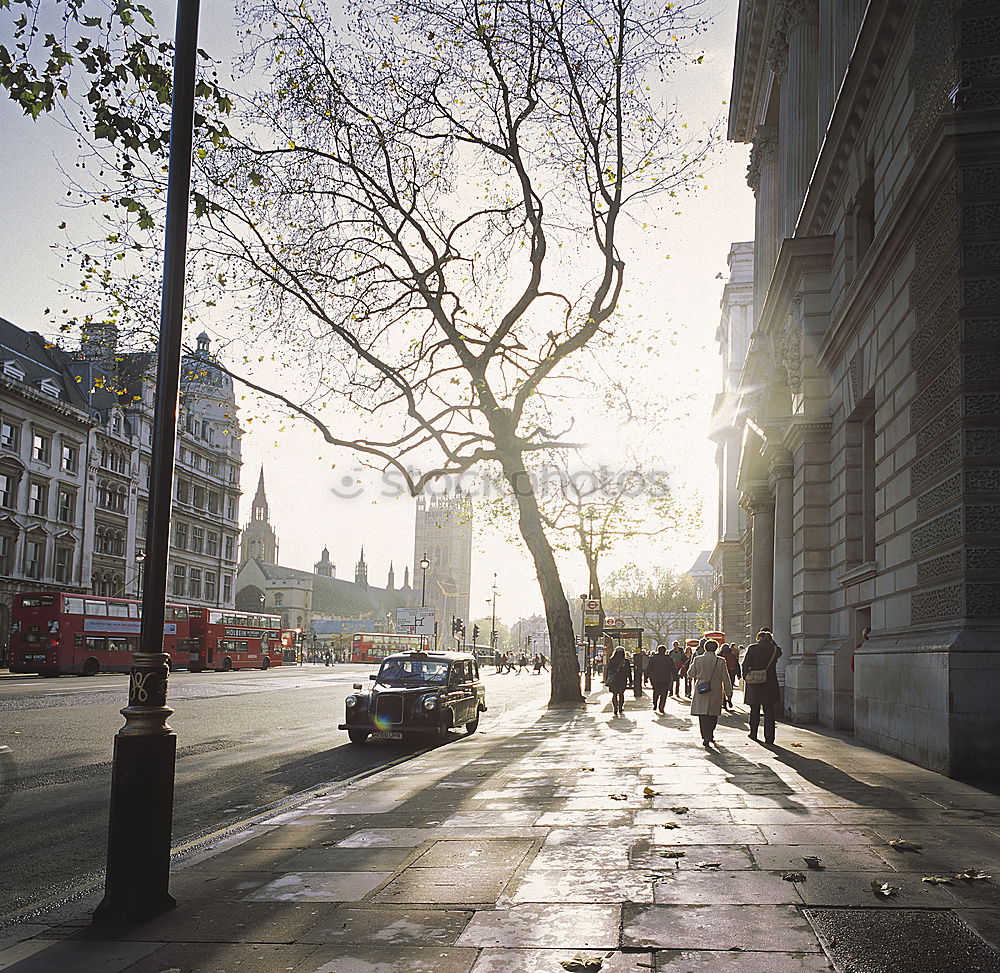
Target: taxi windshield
[413, 672]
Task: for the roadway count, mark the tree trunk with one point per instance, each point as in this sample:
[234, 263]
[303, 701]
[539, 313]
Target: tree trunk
[565, 678]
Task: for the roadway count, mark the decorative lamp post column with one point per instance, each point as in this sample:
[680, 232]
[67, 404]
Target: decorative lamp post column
[424, 565]
[139, 558]
[145, 748]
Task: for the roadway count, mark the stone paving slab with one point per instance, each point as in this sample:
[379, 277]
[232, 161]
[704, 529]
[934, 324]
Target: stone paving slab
[506, 851]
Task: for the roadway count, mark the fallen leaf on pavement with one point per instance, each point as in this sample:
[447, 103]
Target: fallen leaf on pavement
[901, 844]
[883, 890]
[936, 880]
[795, 744]
[708, 865]
[582, 964]
[649, 792]
[793, 877]
[588, 768]
[671, 824]
[618, 797]
[816, 864]
[671, 854]
[973, 874]
[328, 844]
[680, 810]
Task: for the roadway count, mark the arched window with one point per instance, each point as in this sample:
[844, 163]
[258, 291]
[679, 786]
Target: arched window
[279, 600]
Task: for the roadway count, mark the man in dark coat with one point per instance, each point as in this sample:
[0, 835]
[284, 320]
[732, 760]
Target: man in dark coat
[639, 661]
[660, 674]
[762, 655]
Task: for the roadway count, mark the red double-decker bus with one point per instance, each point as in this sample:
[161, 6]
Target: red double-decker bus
[375, 646]
[54, 632]
[228, 640]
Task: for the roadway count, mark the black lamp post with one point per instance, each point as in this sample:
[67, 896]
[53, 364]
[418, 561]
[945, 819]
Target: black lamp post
[493, 624]
[145, 749]
[586, 643]
[139, 558]
[424, 565]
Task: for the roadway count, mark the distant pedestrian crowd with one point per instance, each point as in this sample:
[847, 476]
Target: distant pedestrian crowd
[510, 662]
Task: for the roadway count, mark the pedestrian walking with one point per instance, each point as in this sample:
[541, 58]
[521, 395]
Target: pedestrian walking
[617, 679]
[678, 659]
[733, 665]
[498, 660]
[688, 656]
[660, 674]
[639, 663]
[712, 685]
[522, 663]
[537, 663]
[760, 683]
[543, 662]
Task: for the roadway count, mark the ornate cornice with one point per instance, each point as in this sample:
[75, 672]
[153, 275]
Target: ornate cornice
[797, 13]
[807, 429]
[796, 258]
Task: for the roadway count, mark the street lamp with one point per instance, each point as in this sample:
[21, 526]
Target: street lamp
[145, 750]
[586, 643]
[493, 625]
[140, 556]
[424, 565]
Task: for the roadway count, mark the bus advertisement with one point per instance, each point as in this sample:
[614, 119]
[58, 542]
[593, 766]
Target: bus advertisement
[235, 640]
[53, 632]
[375, 646]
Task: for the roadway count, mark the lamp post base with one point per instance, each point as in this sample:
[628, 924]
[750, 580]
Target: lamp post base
[142, 802]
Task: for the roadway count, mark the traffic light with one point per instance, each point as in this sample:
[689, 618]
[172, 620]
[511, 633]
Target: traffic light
[457, 627]
[475, 634]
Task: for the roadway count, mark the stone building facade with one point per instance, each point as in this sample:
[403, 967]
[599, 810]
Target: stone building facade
[443, 531]
[869, 404]
[75, 431]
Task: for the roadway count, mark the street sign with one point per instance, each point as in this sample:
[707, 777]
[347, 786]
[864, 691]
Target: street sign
[592, 618]
[592, 605]
[610, 622]
[415, 621]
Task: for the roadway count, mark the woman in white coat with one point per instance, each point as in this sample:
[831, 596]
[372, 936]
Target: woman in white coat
[709, 670]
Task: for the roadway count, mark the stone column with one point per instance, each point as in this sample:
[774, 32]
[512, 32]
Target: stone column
[780, 479]
[762, 177]
[760, 505]
[799, 105]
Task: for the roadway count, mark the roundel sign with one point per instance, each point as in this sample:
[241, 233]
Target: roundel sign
[593, 605]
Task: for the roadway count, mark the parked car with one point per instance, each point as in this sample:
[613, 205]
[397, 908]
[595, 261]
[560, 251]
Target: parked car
[417, 693]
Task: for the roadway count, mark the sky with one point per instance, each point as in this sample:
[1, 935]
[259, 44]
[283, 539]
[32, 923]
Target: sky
[318, 498]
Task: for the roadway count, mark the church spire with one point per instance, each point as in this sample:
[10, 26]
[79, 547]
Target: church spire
[391, 583]
[259, 510]
[361, 571]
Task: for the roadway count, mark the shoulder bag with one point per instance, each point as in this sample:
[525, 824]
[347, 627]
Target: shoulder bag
[705, 686]
[757, 677]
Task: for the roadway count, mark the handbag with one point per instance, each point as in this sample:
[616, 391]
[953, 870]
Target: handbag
[757, 677]
[705, 686]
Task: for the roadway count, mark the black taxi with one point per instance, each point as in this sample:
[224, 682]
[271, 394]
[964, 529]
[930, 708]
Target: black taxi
[417, 693]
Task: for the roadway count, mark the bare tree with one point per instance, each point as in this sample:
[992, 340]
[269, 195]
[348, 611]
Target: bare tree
[422, 205]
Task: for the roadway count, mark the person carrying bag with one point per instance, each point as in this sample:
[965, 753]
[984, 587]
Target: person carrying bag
[712, 685]
[760, 681]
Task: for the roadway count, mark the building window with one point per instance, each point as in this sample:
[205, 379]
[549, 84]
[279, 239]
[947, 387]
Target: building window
[70, 458]
[40, 447]
[38, 499]
[229, 547]
[212, 543]
[181, 535]
[183, 491]
[194, 583]
[227, 588]
[231, 508]
[180, 581]
[213, 502]
[34, 558]
[8, 491]
[7, 554]
[197, 539]
[279, 600]
[10, 437]
[64, 564]
[211, 585]
[199, 497]
[67, 506]
[868, 487]
[141, 512]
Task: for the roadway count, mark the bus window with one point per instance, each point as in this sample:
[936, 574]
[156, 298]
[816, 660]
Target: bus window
[216, 618]
[133, 611]
[73, 606]
[96, 643]
[117, 609]
[119, 644]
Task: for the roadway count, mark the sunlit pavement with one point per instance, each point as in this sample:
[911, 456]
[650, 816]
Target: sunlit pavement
[569, 835]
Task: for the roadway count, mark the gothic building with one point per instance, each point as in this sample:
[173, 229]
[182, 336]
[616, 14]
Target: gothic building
[443, 532]
[866, 409]
[258, 538]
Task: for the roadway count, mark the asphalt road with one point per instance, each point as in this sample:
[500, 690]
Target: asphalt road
[246, 740]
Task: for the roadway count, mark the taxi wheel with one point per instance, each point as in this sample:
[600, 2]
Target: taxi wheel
[472, 725]
[443, 726]
[357, 736]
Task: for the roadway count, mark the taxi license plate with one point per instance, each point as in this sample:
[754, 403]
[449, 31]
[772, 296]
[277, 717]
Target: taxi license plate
[387, 735]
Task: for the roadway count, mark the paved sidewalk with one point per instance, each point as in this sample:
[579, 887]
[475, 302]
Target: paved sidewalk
[586, 842]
